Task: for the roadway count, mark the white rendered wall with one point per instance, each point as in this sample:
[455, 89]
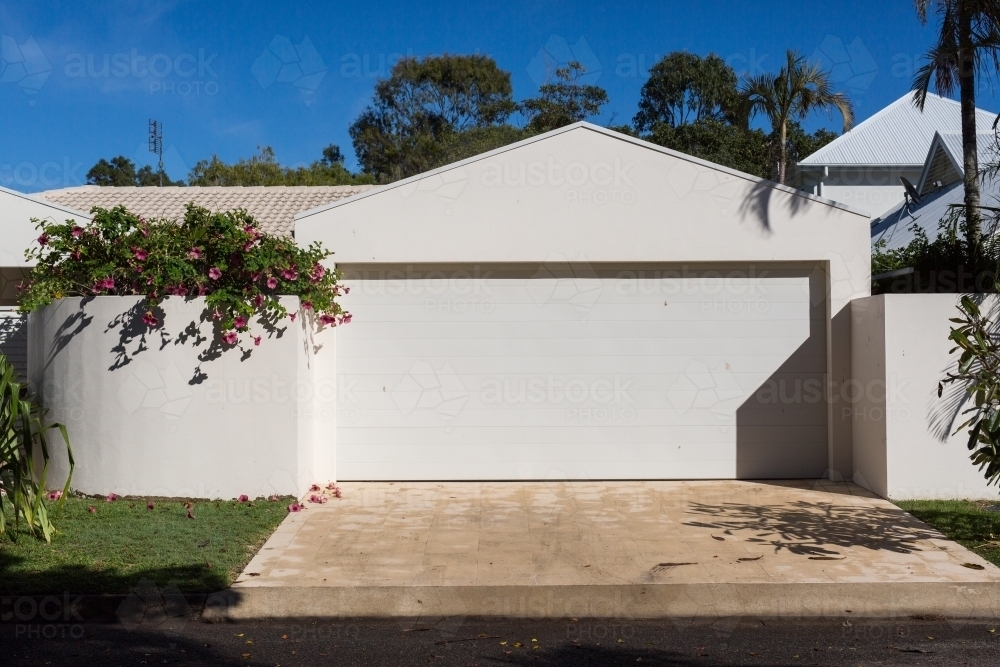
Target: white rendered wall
[588, 196]
[905, 446]
[146, 416]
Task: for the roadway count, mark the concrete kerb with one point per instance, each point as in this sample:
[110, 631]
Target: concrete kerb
[678, 601]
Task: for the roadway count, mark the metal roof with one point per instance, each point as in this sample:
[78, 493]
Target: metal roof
[897, 226]
[898, 135]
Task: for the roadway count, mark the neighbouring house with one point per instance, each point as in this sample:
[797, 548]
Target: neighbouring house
[17, 233]
[862, 168]
[938, 190]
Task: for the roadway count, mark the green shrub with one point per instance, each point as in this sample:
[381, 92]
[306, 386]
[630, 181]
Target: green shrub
[224, 257]
[22, 436]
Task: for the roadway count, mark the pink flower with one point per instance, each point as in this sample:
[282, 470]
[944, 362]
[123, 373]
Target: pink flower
[75, 255]
[240, 322]
[230, 338]
[345, 318]
[315, 487]
[247, 246]
[243, 498]
[202, 290]
[337, 492]
[258, 301]
[314, 498]
[328, 319]
[140, 254]
[111, 497]
[195, 253]
[249, 229]
[214, 273]
[254, 277]
[55, 495]
[149, 319]
[347, 290]
[296, 507]
[289, 274]
[92, 509]
[150, 506]
[256, 340]
[43, 239]
[292, 316]
[272, 282]
[77, 231]
[317, 273]
[307, 305]
[216, 315]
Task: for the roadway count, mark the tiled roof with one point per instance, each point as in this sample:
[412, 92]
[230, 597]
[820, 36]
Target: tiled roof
[274, 207]
[899, 134]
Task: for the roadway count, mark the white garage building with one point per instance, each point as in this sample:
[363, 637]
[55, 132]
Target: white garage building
[587, 305]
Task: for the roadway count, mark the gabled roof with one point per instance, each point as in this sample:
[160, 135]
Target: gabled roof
[898, 135]
[274, 207]
[945, 163]
[440, 177]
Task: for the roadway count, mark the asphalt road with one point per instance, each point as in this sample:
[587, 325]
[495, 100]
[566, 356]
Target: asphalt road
[465, 642]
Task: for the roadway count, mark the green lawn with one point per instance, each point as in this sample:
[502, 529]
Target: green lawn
[124, 542]
[968, 522]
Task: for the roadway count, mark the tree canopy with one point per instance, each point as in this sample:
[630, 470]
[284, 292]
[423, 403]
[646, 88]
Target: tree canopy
[263, 168]
[420, 104]
[120, 171]
[685, 88]
[565, 101]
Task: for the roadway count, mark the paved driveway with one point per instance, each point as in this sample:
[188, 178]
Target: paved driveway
[789, 549]
[600, 533]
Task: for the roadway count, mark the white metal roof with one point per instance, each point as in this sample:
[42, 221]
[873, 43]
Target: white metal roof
[898, 135]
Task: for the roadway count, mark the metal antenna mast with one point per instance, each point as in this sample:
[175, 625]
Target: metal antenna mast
[156, 143]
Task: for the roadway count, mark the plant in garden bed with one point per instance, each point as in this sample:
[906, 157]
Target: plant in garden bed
[224, 257]
[978, 373]
[22, 440]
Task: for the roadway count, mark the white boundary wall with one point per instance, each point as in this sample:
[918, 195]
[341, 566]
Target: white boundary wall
[905, 446]
[144, 428]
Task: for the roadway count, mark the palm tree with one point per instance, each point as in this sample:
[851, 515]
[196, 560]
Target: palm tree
[797, 90]
[968, 32]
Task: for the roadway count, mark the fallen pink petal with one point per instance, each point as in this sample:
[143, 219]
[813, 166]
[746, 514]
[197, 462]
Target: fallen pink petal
[296, 507]
[243, 498]
[55, 495]
[111, 497]
[150, 506]
[92, 509]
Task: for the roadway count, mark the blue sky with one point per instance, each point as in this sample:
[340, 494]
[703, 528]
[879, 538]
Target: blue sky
[81, 79]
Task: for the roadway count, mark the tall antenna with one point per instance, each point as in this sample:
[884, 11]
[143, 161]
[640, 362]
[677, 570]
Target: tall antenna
[156, 143]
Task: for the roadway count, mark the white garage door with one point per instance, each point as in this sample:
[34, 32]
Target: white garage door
[566, 371]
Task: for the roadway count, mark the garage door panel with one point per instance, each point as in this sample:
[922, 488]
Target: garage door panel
[449, 309]
[468, 470]
[545, 452]
[373, 371]
[474, 348]
[660, 391]
[507, 329]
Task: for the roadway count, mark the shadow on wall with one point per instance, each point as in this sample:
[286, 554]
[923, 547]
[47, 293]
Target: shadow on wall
[135, 336]
[756, 204]
[781, 429]
[946, 413]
